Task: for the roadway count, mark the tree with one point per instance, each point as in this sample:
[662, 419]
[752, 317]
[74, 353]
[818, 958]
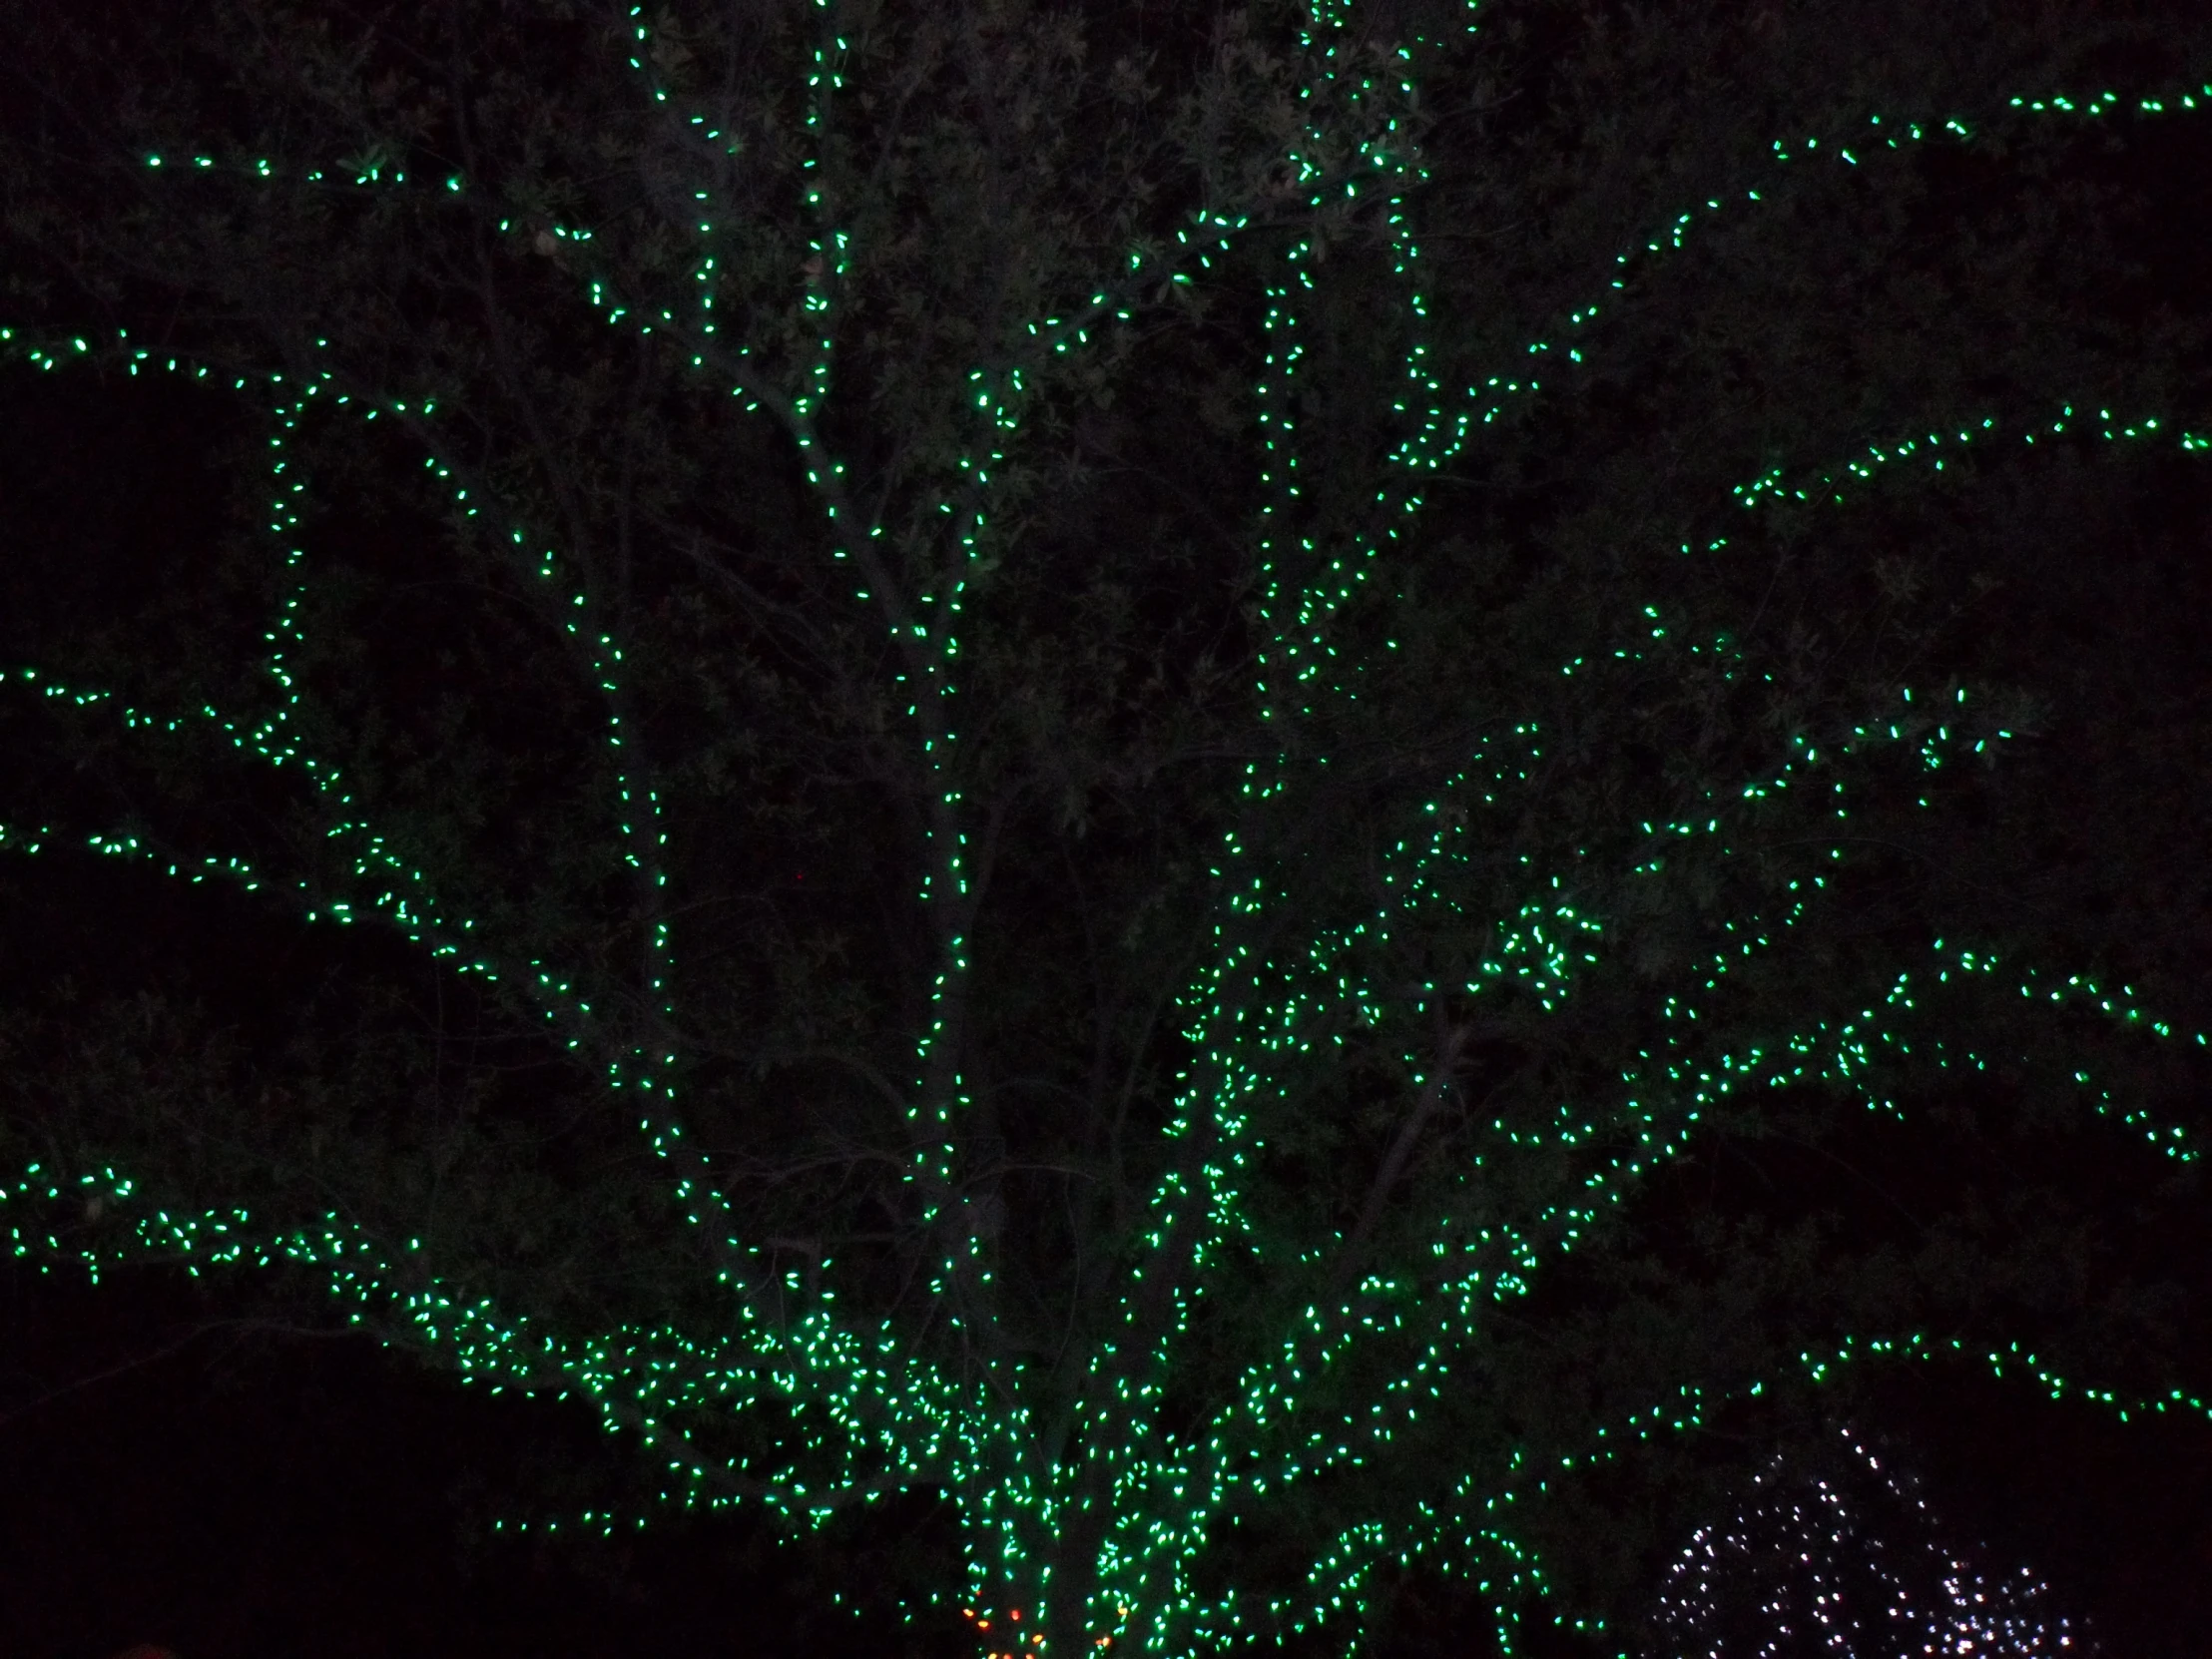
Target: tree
[1252, 951]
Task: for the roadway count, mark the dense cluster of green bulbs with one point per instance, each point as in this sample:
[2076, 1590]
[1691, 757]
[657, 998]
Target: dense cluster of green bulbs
[872, 1413]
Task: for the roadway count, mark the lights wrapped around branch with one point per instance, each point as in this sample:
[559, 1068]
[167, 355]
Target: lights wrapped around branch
[1102, 1545]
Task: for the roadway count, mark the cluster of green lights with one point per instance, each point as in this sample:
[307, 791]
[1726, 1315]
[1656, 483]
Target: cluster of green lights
[873, 1411]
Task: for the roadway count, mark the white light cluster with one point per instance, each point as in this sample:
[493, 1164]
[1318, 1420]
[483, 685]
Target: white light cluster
[1850, 1562]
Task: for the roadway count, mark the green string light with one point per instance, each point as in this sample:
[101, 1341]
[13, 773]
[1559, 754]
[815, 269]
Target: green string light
[874, 1414]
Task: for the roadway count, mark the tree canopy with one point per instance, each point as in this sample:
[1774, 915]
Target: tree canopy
[1302, 799]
